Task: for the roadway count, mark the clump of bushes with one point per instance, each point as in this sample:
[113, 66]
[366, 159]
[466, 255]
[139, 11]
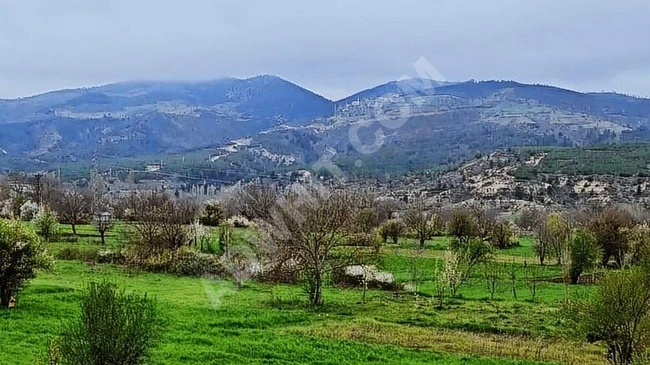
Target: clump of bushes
[86, 254]
[91, 254]
[115, 257]
[240, 221]
[180, 262]
[365, 275]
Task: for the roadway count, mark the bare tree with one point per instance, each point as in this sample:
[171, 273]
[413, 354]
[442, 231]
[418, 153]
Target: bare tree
[531, 276]
[312, 226]
[484, 221]
[161, 222]
[461, 225]
[493, 275]
[5, 188]
[618, 314]
[73, 207]
[103, 222]
[49, 189]
[418, 220]
[16, 186]
[255, 201]
[530, 219]
[558, 234]
[610, 227]
[501, 235]
[543, 242]
[386, 208]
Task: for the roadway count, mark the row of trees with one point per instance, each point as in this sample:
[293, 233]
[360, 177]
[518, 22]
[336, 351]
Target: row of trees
[581, 239]
[463, 224]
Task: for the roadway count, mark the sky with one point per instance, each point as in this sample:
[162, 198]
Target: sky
[332, 47]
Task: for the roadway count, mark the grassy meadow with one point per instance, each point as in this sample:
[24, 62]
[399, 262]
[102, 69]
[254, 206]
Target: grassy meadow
[208, 321]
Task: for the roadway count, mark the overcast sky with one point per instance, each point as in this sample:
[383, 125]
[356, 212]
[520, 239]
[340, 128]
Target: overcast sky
[331, 47]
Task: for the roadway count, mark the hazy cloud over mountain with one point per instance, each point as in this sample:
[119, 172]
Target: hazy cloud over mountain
[332, 47]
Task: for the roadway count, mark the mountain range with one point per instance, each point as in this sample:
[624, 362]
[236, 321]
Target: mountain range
[266, 123]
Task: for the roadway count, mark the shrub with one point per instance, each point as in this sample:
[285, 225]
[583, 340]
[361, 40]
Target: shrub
[392, 229]
[240, 263]
[461, 261]
[190, 263]
[111, 257]
[86, 254]
[21, 255]
[584, 253]
[28, 210]
[47, 225]
[212, 214]
[368, 275]
[180, 262]
[239, 221]
[619, 315]
[462, 226]
[114, 328]
[501, 235]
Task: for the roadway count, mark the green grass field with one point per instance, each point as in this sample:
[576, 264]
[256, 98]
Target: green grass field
[213, 322]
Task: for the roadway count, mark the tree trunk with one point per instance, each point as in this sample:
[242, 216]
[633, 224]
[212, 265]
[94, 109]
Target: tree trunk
[605, 260]
[103, 234]
[574, 276]
[5, 297]
[618, 257]
[421, 243]
[316, 295]
[74, 229]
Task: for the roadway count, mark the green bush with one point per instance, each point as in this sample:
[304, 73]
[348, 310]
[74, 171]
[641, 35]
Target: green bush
[392, 229]
[584, 251]
[212, 214]
[190, 263]
[47, 225]
[501, 235]
[21, 255]
[114, 328]
[86, 254]
[180, 262]
[618, 314]
[115, 257]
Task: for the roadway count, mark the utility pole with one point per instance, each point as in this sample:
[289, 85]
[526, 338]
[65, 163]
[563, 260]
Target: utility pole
[37, 189]
[96, 183]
